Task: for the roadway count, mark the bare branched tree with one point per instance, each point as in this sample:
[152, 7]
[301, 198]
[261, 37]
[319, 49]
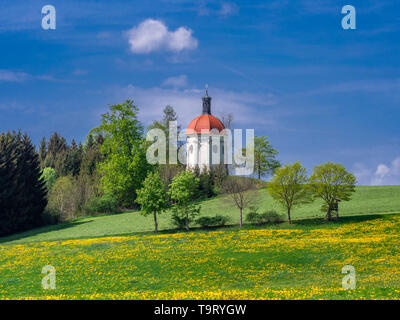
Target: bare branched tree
[227, 120]
[238, 189]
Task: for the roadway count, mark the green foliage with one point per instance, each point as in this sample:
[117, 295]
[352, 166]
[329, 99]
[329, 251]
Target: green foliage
[22, 191]
[206, 183]
[179, 219]
[183, 188]
[92, 154]
[102, 204]
[57, 154]
[42, 152]
[264, 157]
[125, 166]
[370, 201]
[152, 196]
[62, 199]
[265, 161]
[216, 221]
[210, 180]
[270, 216]
[169, 171]
[72, 196]
[332, 183]
[183, 191]
[49, 217]
[49, 175]
[182, 218]
[289, 186]
[70, 162]
[169, 115]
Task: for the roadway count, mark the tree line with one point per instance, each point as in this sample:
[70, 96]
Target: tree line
[61, 181]
[22, 192]
[109, 172]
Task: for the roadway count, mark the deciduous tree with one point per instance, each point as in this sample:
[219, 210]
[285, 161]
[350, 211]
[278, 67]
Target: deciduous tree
[49, 175]
[125, 166]
[332, 183]
[288, 187]
[183, 191]
[264, 157]
[152, 197]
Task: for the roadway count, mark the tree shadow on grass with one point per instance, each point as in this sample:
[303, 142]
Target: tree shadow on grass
[44, 229]
[341, 220]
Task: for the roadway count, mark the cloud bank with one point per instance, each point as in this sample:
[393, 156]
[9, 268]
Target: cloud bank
[176, 82]
[153, 35]
[384, 174]
[188, 104]
[12, 76]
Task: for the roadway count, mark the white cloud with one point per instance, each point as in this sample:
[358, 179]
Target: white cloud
[384, 174]
[12, 76]
[249, 109]
[176, 82]
[370, 86]
[228, 9]
[153, 35]
[387, 174]
[16, 76]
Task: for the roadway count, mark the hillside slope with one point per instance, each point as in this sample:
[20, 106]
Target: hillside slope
[303, 261]
[382, 199]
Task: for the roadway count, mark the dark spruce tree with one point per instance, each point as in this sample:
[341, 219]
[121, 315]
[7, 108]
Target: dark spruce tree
[8, 187]
[42, 152]
[56, 152]
[71, 161]
[22, 192]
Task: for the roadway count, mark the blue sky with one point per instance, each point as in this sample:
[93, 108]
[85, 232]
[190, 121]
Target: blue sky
[285, 68]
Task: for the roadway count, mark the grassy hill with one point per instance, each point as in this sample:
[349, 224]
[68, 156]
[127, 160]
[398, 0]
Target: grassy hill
[301, 261]
[118, 257]
[366, 200]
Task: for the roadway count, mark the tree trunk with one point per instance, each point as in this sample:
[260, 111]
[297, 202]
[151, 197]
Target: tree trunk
[241, 217]
[155, 222]
[288, 215]
[328, 214]
[187, 220]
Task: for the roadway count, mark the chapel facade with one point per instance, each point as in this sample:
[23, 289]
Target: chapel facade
[205, 139]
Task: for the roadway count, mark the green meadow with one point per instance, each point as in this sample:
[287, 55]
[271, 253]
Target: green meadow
[366, 200]
[118, 257]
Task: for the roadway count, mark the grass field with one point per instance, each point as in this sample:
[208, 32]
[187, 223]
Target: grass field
[115, 257]
[366, 200]
[303, 261]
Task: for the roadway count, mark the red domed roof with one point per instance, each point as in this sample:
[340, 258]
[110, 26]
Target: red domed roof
[205, 122]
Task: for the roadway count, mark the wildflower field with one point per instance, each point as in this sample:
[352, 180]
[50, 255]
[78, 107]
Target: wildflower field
[299, 261]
